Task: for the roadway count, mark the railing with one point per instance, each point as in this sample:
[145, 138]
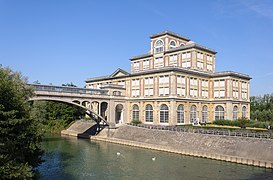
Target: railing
[219, 132]
[66, 89]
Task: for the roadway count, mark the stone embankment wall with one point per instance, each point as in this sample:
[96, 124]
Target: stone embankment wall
[81, 128]
[251, 151]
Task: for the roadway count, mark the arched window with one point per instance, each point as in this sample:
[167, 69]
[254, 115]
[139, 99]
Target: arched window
[149, 113]
[219, 112]
[164, 113]
[205, 114]
[235, 112]
[193, 114]
[135, 112]
[180, 114]
[158, 46]
[172, 44]
[244, 112]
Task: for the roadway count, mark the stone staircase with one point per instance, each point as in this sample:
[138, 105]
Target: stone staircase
[81, 128]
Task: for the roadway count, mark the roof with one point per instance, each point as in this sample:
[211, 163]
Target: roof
[187, 46]
[177, 69]
[119, 70]
[191, 45]
[141, 56]
[113, 75]
[231, 73]
[169, 33]
[195, 72]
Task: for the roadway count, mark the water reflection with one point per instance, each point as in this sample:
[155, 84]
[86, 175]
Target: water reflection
[72, 158]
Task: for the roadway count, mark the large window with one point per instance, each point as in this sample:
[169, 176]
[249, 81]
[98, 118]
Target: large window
[235, 112]
[193, 87]
[193, 114]
[181, 85]
[200, 60]
[164, 113]
[149, 113]
[205, 114]
[205, 88]
[164, 85]
[219, 88]
[219, 113]
[135, 87]
[135, 112]
[209, 63]
[158, 63]
[186, 59]
[173, 60]
[146, 64]
[180, 114]
[149, 86]
[244, 112]
[158, 46]
[244, 90]
[136, 66]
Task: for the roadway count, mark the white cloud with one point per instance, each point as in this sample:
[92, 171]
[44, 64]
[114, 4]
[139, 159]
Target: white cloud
[260, 7]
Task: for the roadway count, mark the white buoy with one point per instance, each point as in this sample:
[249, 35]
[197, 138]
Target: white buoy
[118, 153]
[153, 158]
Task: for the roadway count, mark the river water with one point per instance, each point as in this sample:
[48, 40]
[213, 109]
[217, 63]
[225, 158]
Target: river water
[71, 158]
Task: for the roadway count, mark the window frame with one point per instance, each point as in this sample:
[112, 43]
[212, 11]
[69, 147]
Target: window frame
[164, 114]
[149, 117]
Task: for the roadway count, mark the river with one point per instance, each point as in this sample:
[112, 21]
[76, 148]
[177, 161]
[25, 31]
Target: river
[71, 158]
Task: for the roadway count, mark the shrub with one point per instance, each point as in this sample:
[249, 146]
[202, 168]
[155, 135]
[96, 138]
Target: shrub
[136, 122]
[243, 122]
[227, 122]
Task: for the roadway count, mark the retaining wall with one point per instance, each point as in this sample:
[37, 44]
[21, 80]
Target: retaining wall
[250, 151]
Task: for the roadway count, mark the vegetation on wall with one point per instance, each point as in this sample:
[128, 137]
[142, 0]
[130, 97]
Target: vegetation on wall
[20, 139]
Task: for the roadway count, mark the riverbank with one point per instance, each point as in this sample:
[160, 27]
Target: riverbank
[249, 151]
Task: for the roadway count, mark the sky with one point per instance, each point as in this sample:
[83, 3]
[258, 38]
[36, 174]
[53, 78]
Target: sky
[63, 41]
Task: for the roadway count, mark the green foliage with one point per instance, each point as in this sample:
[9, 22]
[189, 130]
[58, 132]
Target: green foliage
[243, 123]
[20, 140]
[136, 122]
[262, 108]
[69, 84]
[55, 116]
[226, 122]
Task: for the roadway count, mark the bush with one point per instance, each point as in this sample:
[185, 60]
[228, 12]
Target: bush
[227, 122]
[243, 122]
[136, 122]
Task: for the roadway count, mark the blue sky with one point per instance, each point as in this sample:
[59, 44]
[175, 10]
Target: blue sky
[60, 41]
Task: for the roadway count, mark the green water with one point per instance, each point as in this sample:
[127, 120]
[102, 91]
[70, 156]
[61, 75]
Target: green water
[71, 158]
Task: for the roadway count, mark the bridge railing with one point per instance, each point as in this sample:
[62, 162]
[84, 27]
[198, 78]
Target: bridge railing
[67, 89]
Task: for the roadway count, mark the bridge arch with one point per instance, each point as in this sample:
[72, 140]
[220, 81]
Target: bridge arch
[77, 103]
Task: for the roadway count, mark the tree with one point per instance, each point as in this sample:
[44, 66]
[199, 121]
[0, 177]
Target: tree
[262, 108]
[36, 82]
[69, 84]
[20, 149]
